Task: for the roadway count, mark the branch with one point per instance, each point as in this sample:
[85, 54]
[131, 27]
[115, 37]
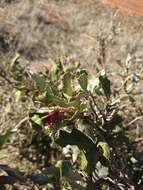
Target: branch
[7, 180]
[133, 121]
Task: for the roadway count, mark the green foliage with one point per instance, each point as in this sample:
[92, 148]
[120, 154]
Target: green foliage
[105, 83]
[67, 85]
[4, 137]
[78, 116]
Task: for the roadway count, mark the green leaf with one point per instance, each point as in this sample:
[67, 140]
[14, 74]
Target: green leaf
[101, 170]
[105, 83]
[93, 84]
[39, 80]
[36, 119]
[133, 160]
[83, 142]
[13, 172]
[5, 137]
[56, 70]
[124, 97]
[67, 83]
[8, 108]
[117, 129]
[51, 99]
[40, 179]
[83, 80]
[116, 120]
[18, 95]
[105, 148]
[15, 59]
[83, 161]
[102, 184]
[65, 167]
[53, 72]
[14, 188]
[76, 137]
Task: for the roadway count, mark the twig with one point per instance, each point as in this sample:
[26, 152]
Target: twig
[139, 140]
[7, 180]
[134, 120]
[97, 108]
[3, 75]
[20, 123]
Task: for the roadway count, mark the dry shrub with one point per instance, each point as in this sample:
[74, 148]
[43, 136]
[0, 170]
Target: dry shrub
[51, 14]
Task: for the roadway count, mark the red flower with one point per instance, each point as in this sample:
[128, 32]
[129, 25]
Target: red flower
[56, 115]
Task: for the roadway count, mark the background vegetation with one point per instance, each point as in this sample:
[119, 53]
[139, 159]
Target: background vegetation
[47, 96]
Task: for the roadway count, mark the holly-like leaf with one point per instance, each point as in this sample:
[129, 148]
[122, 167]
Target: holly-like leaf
[105, 148]
[83, 142]
[36, 119]
[105, 83]
[13, 172]
[55, 71]
[113, 122]
[76, 137]
[65, 167]
[40, 80]
[4, 137]
[67, 84]
[51, 100]
[39, 179]
[83, 80]
[93, 84]
[83, 161]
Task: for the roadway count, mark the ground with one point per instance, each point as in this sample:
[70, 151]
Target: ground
[97, 35]
[44, 30]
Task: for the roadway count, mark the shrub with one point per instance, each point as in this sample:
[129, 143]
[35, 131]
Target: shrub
[77, 134]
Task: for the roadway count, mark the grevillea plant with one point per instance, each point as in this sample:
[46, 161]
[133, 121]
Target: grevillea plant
[74, 131]
[80, 113]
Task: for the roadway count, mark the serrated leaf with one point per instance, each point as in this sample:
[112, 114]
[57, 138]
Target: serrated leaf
[116, 120]
[101, 170]
[83, 142]
[106, 149]
[124, 97]
[4, 137]
[51, 99]
[76, 137]
[65, 167]
[13, 172]
[56, 70]
[83, 161]
[36, 119]
[83, 80]
[14, 188]
[117, 129]
[67, 84]
[53, 72]
[18, 95]
[93, 84]
[40, 179]
[40, 80]
[105, 83]
[133, 160]
[15, 59]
